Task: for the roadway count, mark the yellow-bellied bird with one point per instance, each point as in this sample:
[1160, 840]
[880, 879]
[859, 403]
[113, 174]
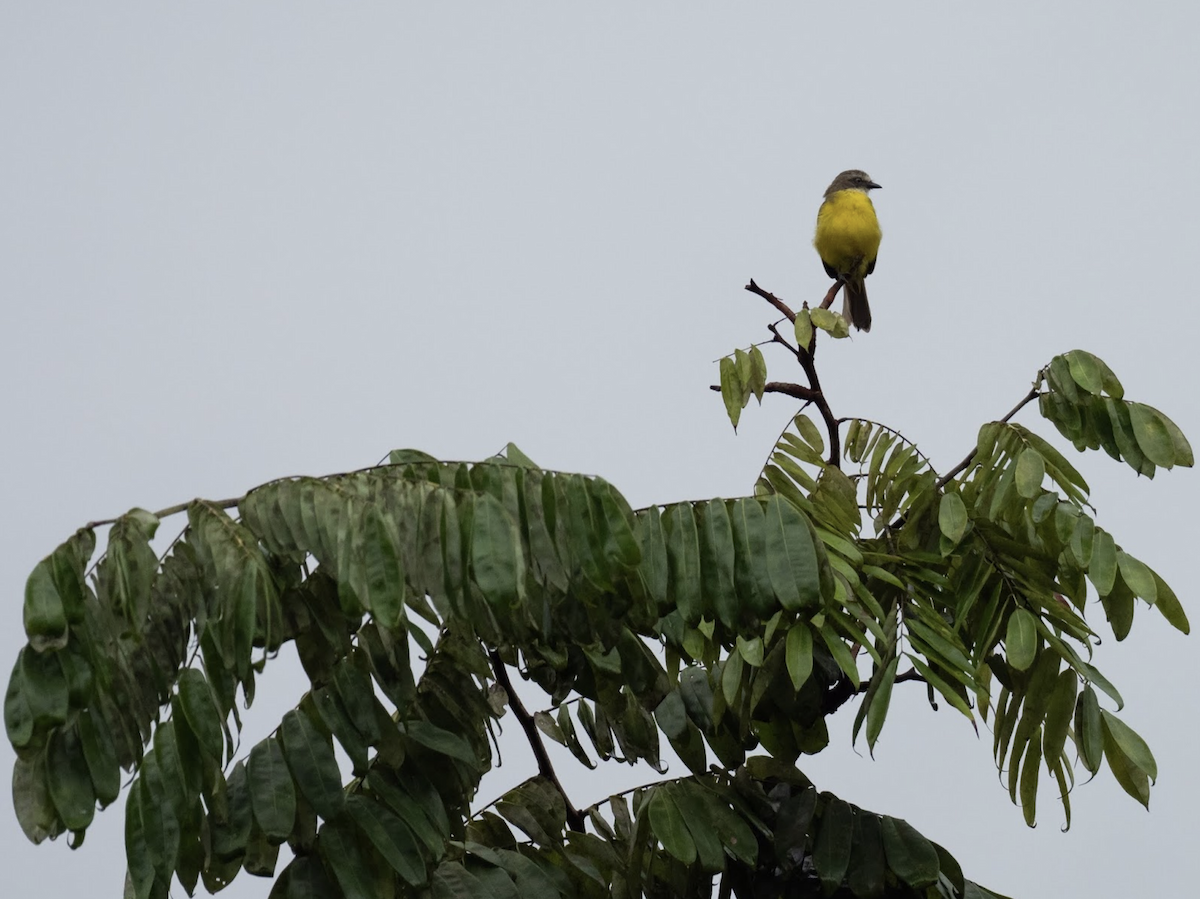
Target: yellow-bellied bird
[847, 240]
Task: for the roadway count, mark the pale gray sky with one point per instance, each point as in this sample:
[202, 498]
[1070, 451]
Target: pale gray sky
[239, 241]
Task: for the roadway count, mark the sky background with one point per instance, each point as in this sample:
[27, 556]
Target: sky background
[242, 241]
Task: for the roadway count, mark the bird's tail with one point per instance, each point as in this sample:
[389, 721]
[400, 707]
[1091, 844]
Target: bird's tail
[854, 308]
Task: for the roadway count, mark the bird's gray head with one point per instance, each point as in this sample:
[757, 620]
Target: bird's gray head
[852, 179]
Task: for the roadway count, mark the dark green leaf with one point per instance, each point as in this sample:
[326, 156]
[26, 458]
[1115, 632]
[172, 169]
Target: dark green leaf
[831, 854]
[342, 852]
[689, 798]
[668, 825]
[272, 796]
[390, 836]
[868, 864]
[45, 616]
[1089, 733]
[911, 857]
[383, 575]
[310, 758]
[497, 560]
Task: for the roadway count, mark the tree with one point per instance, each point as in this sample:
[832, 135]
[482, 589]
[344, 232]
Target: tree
[731, 627]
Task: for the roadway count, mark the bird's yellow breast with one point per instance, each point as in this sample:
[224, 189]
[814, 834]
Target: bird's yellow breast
[848, 232]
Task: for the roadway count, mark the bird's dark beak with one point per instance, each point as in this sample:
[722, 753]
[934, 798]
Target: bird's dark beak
[873, 185]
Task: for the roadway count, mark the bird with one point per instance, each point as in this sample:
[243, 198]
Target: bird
[847, 240]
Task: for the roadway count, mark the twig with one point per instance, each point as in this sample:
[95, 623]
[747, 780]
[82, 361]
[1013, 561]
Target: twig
[773, 300]
[575, 817]
[778, 338]
[962, 466]
[829, 297]
[170, 510]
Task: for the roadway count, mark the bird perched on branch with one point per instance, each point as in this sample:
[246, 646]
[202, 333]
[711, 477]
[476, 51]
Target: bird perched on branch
[847, 240]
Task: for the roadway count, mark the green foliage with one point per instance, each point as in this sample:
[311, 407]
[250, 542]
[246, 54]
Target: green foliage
[727, 626]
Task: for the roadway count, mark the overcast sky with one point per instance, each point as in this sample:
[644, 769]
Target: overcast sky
[241, 241]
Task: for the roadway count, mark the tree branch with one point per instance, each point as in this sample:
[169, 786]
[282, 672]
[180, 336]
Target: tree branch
[806, 359]
[962, 466]
[575, 817]
[795, 390]
[845, 689]
[773, 300]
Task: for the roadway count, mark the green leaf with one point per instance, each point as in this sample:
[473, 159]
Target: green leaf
[683, 557]
[1132, 778]
[441, 741]
[1030, 768]
[811, 433]
[878, 708]
[1089, 732]
[390, 836]
[1153, 437]
[731, 390]
[758, 373]
[716, 562]
[799, 650]
[1020, 644]
[804, 329]
[382, 571]
[911, 857]
[831, 854]
[668, 825]
[101, 758]
[1031, 469]
[1168, 604]
[452, 881]
[1132, 745]
[831, 322]
[1059, 713]
[1183, 449]
[868, 864]
[689, 799]
[791, 556]
[496, 557]
[952, 517]
[1102, 568]
[68, 779]
[310, 758]
[201, 713]
[341, 850]
[45, 615]
[1137, 577]
[1085, 371]
[46, 692]
[272, 796]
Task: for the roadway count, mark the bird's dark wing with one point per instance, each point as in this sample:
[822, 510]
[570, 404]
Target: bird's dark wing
[830, 270]
[871, 267]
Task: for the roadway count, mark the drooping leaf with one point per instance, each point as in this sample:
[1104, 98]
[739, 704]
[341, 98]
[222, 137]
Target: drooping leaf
[911, 857]
[831, 854]
[390, 836]
[309, 756]
[272, 795]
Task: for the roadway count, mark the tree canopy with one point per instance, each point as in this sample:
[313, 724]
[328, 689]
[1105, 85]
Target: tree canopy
[731, 628]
